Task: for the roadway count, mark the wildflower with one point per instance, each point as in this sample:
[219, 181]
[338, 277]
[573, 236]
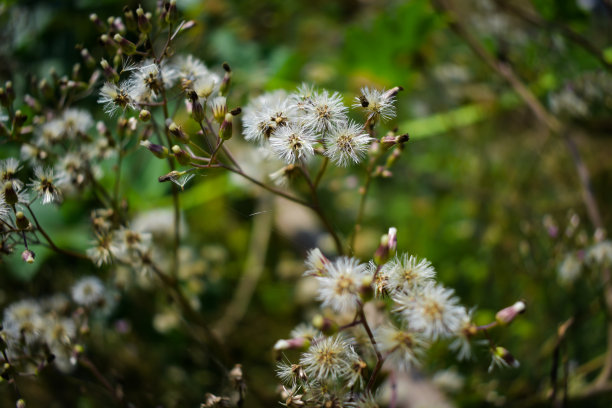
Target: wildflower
[115, 97]
[265, 114]
[283, 176]
[406, 272]
[51, 132]
[46, 184]
[4, 208]
[346, 143]
[293, 143]
[76, 122]
[432, 310]
[73, 167]
[600, 253]
[501, 357]
[8, 172]
[88, 291]
[316, 263]
[325, 112]
[327, 358]
[102, 252]
[377, 104]
[340, 289]
[365, 400]
[303, 330]
[149, 79]
[291, 397]
[403, 347]
[508, 314]
[128, 242]
[290, 374]
[462, 344]
[22, 320]
[570, 268]
[59, 331]
[190, 69]
[302, 98]
[206, 85]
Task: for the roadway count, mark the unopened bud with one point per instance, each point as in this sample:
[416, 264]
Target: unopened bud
[178, 132]
[4, 100]
[20, 403]
[109, 72]
[158, 150]
[508, 314]
[299, 343]
[144, 20]
[181, 156]
[28, 256]
[197, 111]
[130, 20]
[324, 324]
[97, 22]
[144, 115]
[19, 118]
[10, 91]
[506, 356]
[225, 130]
[219, 108]
[172, 12]
[21, 221]
[10, 193]
[227, 79]
[128, 47]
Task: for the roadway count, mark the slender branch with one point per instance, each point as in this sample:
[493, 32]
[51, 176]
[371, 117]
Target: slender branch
[321, 171]
[379, 357]
[50, 241]
[85, 362]
[363, 191]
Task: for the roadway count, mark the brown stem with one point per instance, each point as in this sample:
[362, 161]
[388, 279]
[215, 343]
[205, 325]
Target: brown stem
[85, 362]
[379, 357]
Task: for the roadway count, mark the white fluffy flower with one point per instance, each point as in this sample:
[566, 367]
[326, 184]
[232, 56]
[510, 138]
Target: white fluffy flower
[88, 291]
[404, 348]
[149, 79]
[431, 309]
[325, 111]
[266, 113]
[115, 98]
[76, 122]
[340, 289]
[328, 358]
[293, 143]
[600, 253]
[406, 272]
[347, 143]
[378, 105]
[23, 319]
[46, 184]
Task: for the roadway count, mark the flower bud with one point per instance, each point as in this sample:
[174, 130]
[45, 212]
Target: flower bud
[130, 20]
[4, 100]
[97, 22]
[10, 91]
[227, 79]
[178, 132]
[172, 12]
[159, 151]
[144, 20]
[109, 72]
[197, 111]
[225, 130]
[144, 115]
[324, 324]
[300, 343]
[128, 47]
[28, 256]
[506, 356]
[219, 108]
[10, 193]
[21, 221]
[386, 249]
[19, 119]
[508, 314]
[181, 156]
[20, 403]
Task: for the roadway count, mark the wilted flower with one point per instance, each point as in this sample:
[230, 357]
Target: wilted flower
[377, 104]
[148, 80]
[46, 184]
[115, 97]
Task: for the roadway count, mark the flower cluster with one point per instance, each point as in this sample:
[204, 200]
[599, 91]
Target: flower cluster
[297, 126]
[337, 359]
[49, 331]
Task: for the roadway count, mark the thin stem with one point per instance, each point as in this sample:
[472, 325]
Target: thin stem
[13, 379]
[105, 383]
[316, 207]
[50, 241]
[379, 357]
[212, 158]
[321, 171]
[363, 191]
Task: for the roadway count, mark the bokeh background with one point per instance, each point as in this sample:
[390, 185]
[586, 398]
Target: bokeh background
[482, 190]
